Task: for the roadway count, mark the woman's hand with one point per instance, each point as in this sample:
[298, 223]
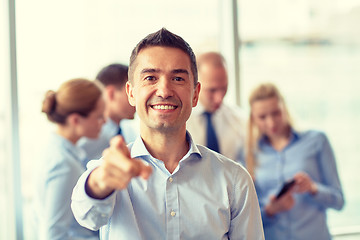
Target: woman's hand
[304, 184]
[282, 204]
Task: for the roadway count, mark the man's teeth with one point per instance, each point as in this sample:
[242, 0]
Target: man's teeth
[163, 107]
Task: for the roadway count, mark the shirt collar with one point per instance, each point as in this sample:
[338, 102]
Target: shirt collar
[74, 150]
[294, 136]
[138, 148]
[111, 124]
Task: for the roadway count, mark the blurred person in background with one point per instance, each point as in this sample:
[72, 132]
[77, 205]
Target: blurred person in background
[77, 109]
[213, 123]
[118, 112]
[278, 153]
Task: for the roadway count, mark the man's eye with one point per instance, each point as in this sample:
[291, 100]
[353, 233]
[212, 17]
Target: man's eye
[178, 79]
[212, 91]
[150, 78]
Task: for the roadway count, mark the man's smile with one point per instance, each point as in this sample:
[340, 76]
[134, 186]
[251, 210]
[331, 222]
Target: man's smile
[163, 107]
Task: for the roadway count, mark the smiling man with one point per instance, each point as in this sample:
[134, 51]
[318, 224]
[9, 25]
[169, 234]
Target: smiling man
[184, 191]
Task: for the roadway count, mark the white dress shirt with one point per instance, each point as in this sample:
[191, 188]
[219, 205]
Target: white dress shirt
[230, 128]
[208, 196]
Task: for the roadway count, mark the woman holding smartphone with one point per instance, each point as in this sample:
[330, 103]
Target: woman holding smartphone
[76, 109]
[277, 154]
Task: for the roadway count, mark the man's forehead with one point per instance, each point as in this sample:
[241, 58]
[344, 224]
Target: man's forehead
[158, 57]
[153, 50]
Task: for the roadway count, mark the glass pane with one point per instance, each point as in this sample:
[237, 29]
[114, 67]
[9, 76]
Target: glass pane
[7, 223]
[311, 50]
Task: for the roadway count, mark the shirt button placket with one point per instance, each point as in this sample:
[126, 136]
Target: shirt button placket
[172, 213]
[172, 204]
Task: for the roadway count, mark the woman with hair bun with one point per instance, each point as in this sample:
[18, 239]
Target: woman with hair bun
[77, 110]
[277, 154]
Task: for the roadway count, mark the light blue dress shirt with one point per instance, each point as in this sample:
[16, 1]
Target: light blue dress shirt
[56, 175]
[95, 147]
[208, 196]
[309, 152]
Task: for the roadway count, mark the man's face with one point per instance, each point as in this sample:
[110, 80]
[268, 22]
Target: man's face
[121, 104]
[162, 88]
[214, 84]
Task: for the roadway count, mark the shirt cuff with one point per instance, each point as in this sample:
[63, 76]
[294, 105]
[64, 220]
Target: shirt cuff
[93, 213]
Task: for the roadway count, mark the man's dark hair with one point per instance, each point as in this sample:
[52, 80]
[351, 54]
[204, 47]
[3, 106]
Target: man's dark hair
[164, 38]
[114, 74]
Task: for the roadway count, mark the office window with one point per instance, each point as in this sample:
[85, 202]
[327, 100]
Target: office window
[311, 50]
[5, 183]
[7, 162]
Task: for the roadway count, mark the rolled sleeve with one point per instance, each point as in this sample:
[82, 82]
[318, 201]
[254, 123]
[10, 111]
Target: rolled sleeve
[89, 212]
[329, 193]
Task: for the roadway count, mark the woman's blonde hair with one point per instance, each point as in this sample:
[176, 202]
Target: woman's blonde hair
[261, 92]
[74, 96]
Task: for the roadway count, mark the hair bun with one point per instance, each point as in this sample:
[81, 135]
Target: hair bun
[49, 102]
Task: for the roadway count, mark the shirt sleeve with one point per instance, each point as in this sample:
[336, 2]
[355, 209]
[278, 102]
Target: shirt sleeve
[245, 213]
[267, 220]
[89, 212]
[330, 194]
[240, 157]
[58, 216]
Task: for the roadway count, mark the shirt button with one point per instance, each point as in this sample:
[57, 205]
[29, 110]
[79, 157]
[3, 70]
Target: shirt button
[171, 179]
[172, 213]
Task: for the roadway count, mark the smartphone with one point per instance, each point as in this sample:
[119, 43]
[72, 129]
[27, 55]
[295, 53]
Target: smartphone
[286, 187]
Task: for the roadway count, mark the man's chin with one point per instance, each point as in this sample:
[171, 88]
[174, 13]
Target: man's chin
[163, 127]
[212, 110]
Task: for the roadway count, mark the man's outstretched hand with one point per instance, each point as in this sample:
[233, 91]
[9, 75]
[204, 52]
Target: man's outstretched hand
[116, 170]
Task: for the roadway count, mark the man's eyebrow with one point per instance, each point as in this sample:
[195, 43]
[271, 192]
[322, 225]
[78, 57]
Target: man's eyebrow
[155, 70]
[180, 71]
[149, 70]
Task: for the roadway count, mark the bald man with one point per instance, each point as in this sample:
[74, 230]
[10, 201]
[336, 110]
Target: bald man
[227, 130]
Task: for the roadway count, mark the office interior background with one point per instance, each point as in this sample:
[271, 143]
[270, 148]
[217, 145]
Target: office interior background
[310, 49]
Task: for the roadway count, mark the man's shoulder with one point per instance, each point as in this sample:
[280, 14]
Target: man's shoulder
[219, 159]
[221, 167]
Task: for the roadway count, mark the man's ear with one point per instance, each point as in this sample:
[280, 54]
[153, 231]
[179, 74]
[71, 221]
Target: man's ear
[196, 94]
[110, 92]
[130, 93]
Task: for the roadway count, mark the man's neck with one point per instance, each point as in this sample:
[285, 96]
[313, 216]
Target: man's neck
[169, 147]
[114, 118]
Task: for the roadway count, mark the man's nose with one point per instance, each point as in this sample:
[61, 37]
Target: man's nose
[218, 97]
[164, 88]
